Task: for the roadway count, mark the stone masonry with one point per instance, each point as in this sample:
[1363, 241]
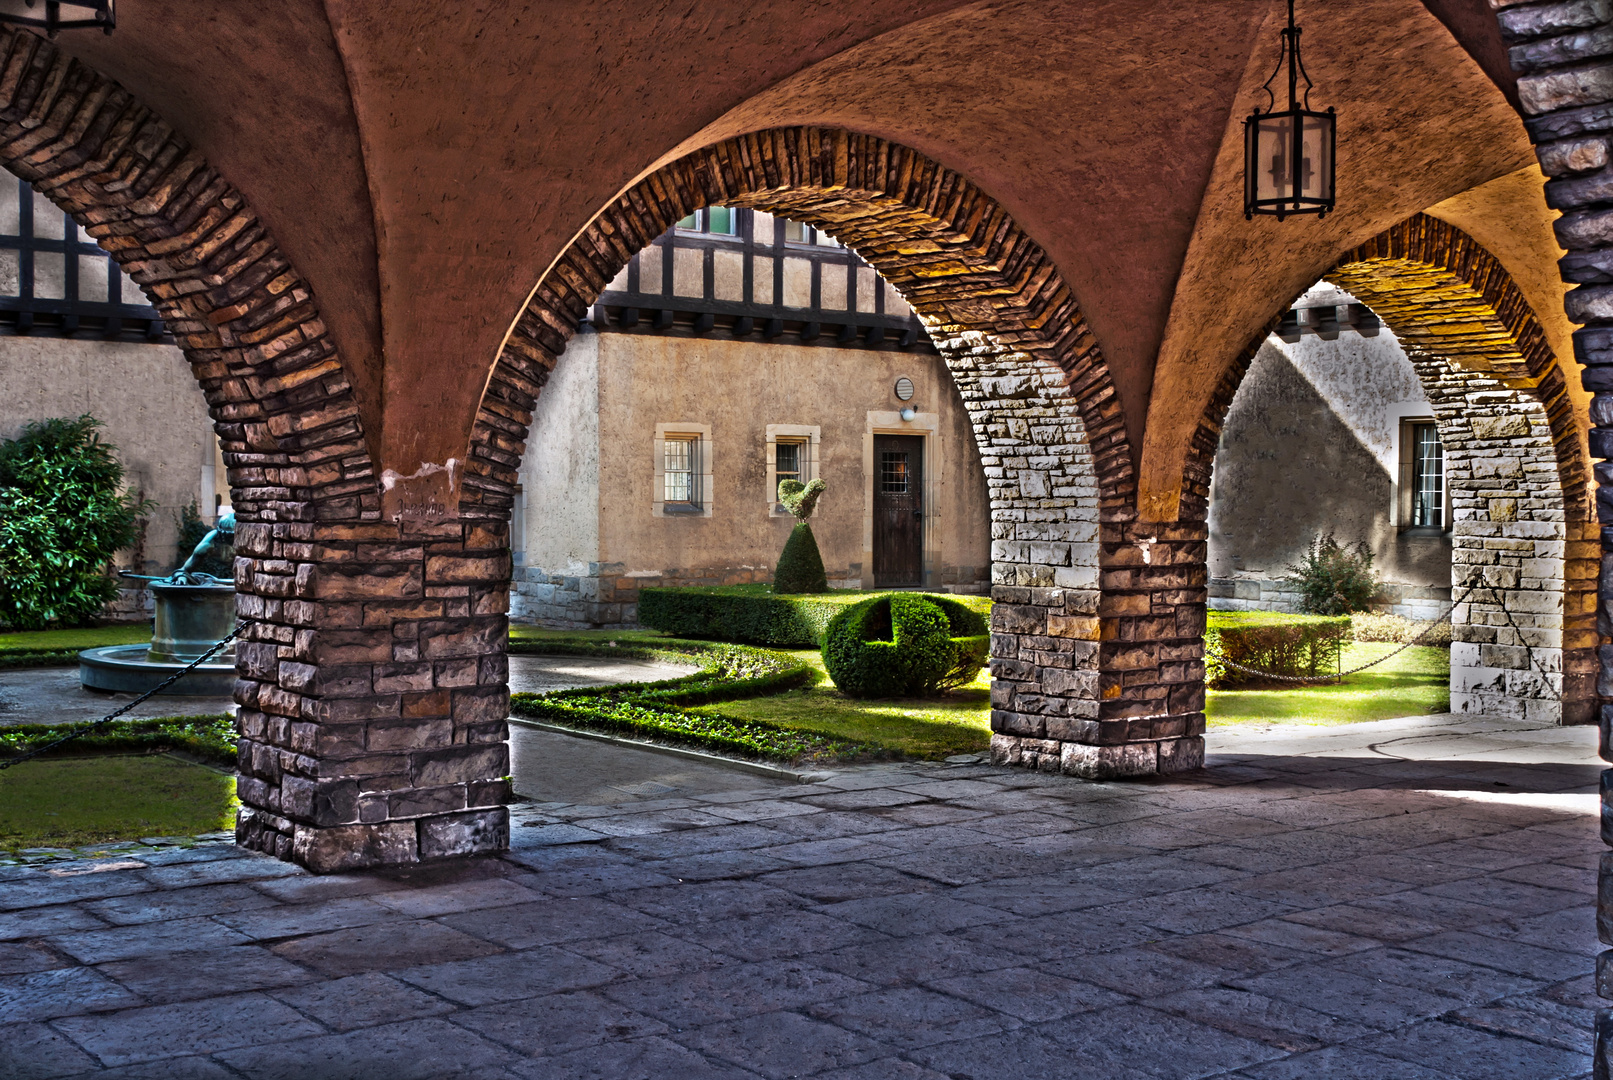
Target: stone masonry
[1563, 54]
[1524, 641]
[372, 674]
[1093, 684]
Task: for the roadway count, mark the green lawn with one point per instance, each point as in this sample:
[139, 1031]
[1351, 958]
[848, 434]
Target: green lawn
[74, 802]
[1415, 683]
[89, 637]
[959, 723]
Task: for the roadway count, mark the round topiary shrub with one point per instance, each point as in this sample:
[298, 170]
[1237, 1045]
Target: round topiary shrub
[904, 645]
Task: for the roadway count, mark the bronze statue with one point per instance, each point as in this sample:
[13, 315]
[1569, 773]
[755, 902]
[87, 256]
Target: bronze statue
[223, 528]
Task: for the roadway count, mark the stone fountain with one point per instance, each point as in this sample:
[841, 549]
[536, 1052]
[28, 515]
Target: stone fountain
[194, 611]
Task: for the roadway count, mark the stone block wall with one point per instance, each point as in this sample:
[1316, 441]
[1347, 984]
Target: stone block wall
[1420, 603]
[374, 691]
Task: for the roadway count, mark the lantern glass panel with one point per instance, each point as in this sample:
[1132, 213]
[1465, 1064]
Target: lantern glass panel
[1316, 158]
[1271, 168]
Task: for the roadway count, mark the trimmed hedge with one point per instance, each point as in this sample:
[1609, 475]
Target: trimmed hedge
[1278, 642]
[904, 644]
[658, 711]
[210, 737]
[1371, 626]
[755, 615]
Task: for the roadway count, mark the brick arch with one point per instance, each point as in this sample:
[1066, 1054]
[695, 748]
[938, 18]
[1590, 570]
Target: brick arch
[1525, 642]
[953, 252]
[1095, 685]
[338, 592]
[244, 318]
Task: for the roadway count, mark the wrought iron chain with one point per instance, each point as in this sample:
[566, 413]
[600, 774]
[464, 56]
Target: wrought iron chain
[1338, 676]
[107, 719]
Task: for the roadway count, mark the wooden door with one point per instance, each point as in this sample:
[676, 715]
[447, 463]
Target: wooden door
[898, 510]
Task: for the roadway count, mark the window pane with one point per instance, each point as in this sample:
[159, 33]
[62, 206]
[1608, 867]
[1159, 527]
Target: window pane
[796, 233]
[690, 222]
[893, 472]
[787, 460]
[1428, 477]
[681, 470]
[723, 220]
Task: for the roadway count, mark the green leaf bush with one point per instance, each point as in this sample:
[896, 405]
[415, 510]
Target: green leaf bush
[1333, 579]
[210, 737]
[1396, 628]
[1278, 642]
[63, 514]
[904, 645]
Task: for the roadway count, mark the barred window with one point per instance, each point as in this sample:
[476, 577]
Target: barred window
[721, 220]
[1428, 477]
[681, 471]
[893, 472]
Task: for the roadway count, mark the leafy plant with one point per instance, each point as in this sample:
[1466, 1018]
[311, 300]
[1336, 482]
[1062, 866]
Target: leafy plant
[904, 644]
[1278, 642]
[1399, 629]
[1332, 579]
[220, 562]
[63, 514]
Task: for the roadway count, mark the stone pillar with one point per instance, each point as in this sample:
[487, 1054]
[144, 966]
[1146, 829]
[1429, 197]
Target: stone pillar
[1565, 89]
[1097, 651]
[373, 691]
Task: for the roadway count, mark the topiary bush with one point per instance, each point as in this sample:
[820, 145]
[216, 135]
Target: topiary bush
[800, 568]
[1400, 630]
[1332, 579]
[63, 514]
[904, 645]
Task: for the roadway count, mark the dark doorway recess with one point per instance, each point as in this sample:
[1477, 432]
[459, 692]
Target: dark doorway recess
[898, 510]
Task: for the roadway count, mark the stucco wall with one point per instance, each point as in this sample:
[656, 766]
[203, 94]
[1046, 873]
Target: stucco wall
[560, 473]
[1310, 446]
[152, 410]
[611, 390]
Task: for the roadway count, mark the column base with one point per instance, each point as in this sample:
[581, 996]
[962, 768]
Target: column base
[1154, 757]
[326, 849]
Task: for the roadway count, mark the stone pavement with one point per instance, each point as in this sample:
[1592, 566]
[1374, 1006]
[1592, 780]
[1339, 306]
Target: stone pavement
[1408, 900]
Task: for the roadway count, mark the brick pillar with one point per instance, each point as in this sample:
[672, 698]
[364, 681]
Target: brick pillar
[1565, 88]
[374, 692]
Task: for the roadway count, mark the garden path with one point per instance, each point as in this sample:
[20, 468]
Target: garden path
[1308, 906]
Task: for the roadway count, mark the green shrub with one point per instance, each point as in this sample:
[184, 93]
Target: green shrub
[800, 567]
[220, 562]
[1334, 580]
[1283, 644]
[1371, 626]
[903, 645]
[750, 614]
[63, 514]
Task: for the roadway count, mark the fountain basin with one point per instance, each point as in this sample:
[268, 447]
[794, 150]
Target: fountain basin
[190, 620]
[129, 669]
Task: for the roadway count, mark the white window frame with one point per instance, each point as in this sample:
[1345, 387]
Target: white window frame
[809, 436]
[701, 434]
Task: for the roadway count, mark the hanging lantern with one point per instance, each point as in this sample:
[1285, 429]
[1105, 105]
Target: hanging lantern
[54, 15]
[1288, 155]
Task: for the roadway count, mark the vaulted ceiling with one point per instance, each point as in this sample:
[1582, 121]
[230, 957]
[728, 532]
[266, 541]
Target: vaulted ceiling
[423, 163]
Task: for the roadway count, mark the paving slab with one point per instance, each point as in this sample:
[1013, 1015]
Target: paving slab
[1398, 900]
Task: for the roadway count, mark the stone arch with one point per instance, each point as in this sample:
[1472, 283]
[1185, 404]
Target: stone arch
[1523, 530]
[329, 582]
[1046, 418]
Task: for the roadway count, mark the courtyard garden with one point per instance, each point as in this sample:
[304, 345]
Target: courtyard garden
[760, 690]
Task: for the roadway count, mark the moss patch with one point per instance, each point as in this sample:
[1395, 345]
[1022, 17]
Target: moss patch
[1415, 683]
[71, 802]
